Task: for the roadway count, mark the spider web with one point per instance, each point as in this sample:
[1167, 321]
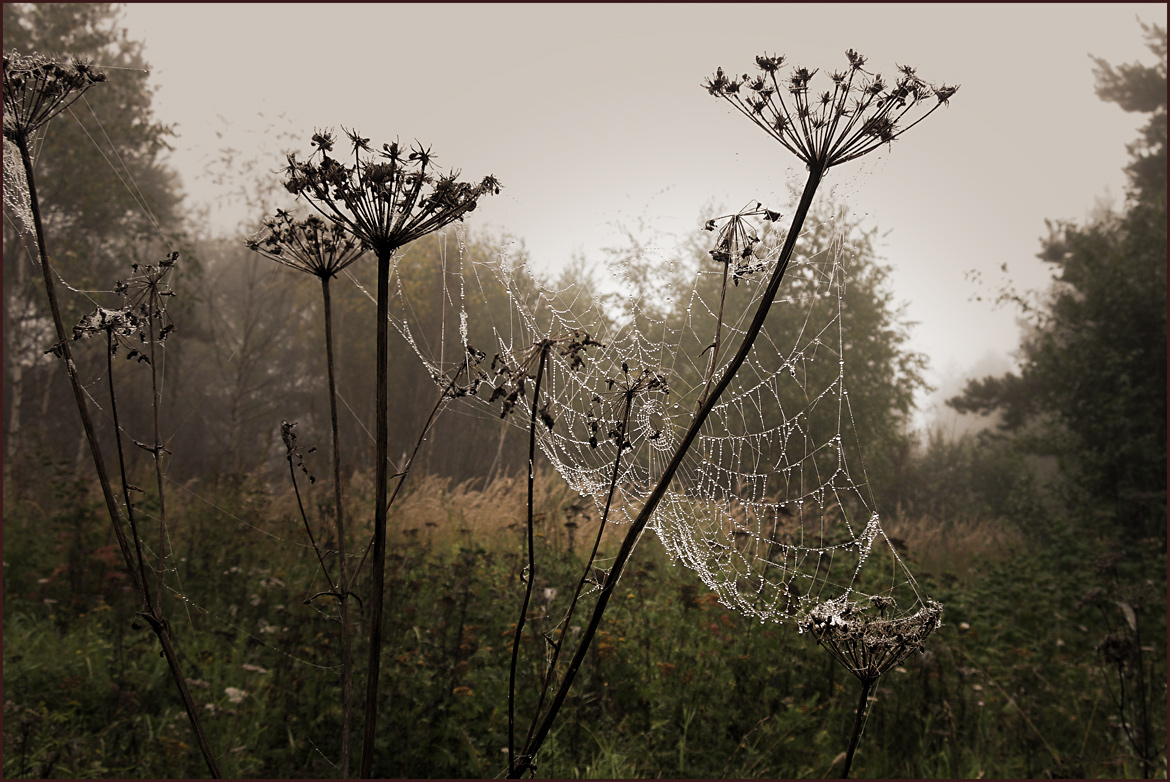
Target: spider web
[771, 506]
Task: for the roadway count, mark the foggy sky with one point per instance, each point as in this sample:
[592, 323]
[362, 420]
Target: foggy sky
[593, 118]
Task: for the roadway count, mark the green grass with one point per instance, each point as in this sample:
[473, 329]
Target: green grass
[677, 685]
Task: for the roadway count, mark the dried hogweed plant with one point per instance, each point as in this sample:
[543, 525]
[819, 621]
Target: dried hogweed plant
[618, 401]
[859, 114]
[868, 646]
[323, 250]
[513, 381]
[37, 89]
[385, 199]
[1126, 665]
[735, 251]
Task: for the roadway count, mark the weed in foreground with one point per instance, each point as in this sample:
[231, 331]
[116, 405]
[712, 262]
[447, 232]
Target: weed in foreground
[36, 89]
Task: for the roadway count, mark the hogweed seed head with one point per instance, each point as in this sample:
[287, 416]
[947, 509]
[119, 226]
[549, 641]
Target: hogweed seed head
[858, 115]
[571, 345]
[736, 241]
[38, 88]
[310, 245]
[385, 199]
[869, 646]
[133, 325]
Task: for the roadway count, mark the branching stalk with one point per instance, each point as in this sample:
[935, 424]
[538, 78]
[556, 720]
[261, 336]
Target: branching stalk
[816, 172]
[160, 627]
[558, 645]
[531, 569]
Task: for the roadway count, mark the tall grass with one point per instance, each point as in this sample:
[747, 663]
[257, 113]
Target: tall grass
[676, 685]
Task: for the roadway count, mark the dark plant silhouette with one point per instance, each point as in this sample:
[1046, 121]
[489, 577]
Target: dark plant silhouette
[322, 250]
[36, 89]
[386, 200]
[624, 389]
[868, 646]
[1126, 666]
[513, 390]
[857, 116]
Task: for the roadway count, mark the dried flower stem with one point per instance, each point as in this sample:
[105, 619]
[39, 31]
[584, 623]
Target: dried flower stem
[122, 470]
[816, 172]
[858, 721]
[323, 249]
[160, 627]
[557, 646]
[346, 652]
[381, 478]
[715, 345]
[531, 569]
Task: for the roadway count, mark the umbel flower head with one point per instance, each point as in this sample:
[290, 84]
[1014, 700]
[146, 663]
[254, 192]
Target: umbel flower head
[386, 199]
[570, 344]
[736, 241]
[868, 645]
[310, 245]
[859, 114]
[38, 88]
[133, 324]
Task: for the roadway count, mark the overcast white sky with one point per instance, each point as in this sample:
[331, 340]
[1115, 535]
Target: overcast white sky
[593, 116]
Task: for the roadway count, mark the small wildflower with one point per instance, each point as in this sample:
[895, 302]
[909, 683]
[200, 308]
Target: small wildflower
[234, 694]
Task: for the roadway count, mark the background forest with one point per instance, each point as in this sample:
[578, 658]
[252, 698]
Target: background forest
[1043, 534]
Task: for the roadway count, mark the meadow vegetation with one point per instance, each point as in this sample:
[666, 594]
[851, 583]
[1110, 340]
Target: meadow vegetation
[676, 685]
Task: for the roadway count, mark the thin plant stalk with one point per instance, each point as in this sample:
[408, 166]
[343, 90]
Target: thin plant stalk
[402, 475]
[381, 475]
[858, 721]
[816, 172]
[323, 250]
[715, 345]
[379, 546]
[160, 627]
[122, 471]
[157, 449]
[346, 657]
[552, 665]
[291, 457]
[531, 569]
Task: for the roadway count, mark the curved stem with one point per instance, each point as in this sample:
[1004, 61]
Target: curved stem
[161, 629]
[816, 172]
[531, 562]
[552, 665]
